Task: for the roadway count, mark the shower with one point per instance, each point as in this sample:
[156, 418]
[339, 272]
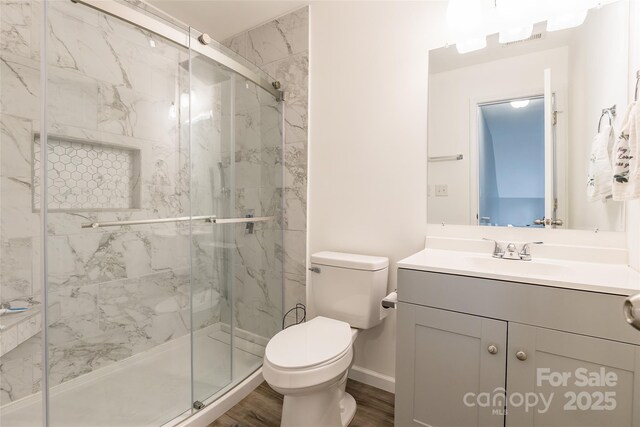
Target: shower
[133, 157]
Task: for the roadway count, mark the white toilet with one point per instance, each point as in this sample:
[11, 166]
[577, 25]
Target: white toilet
[309, 363]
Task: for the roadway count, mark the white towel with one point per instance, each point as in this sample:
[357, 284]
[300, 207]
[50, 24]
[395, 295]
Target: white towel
[599, 181]
[626, 177]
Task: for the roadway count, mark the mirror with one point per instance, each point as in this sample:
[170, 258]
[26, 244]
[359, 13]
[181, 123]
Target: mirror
[511, 126]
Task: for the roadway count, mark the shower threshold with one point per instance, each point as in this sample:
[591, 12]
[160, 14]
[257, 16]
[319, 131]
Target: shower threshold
[141, 391]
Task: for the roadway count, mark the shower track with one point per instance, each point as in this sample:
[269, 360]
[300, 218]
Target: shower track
[174, 34]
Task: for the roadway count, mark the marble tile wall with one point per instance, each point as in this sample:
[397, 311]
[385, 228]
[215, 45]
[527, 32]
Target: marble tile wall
[281, 49]
[19, 242]
[256, 172]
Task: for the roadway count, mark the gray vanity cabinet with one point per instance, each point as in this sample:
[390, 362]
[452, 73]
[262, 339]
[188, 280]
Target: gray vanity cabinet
[587, 381]
[446, 355]
[473, 352]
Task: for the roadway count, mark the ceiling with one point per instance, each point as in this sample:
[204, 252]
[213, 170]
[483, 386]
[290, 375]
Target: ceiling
[222, 19]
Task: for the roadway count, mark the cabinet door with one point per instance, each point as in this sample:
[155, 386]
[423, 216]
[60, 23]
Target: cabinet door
[555, 368]
[443, 356]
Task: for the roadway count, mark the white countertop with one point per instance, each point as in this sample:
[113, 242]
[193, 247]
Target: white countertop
[615, 279]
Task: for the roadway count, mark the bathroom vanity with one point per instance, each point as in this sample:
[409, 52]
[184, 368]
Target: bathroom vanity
[540, 338]
[490, 342]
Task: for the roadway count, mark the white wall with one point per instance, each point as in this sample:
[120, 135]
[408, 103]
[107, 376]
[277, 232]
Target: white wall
[594, 87]
[367, 138]
[633, 207]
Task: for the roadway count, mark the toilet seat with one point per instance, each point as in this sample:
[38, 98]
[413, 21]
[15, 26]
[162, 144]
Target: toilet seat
[308, 345]
[308, 355]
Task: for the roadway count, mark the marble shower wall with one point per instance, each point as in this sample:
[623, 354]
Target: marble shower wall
[281, 49]
[257, 169]
[19, 232]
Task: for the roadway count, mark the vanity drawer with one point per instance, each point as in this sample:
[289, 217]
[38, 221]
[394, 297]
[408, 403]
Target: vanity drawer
[581, 312]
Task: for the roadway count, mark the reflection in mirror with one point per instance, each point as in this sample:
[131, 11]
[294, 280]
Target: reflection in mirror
[511, 126]
[511, 162]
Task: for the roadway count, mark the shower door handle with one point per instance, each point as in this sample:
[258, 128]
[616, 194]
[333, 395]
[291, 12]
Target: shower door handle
[207, 218]
[240, 220]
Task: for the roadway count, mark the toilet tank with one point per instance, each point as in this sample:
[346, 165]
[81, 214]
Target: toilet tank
[349, 287]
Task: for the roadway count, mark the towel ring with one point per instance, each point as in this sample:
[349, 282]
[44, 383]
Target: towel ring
[604, 112]
[610, 113]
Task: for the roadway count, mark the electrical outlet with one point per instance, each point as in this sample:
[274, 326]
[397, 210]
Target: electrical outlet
[442, 190]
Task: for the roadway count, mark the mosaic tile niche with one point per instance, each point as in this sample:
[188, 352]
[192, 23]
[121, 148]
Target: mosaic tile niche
[87, 176]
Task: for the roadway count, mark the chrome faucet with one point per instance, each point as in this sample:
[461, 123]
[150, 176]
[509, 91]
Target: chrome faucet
[497, 248]
[525, 252]
[511, 251]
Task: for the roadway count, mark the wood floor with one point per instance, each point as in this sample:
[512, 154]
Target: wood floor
[263, 407]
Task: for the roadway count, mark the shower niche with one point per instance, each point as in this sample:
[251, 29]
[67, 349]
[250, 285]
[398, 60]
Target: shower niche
[87, 175]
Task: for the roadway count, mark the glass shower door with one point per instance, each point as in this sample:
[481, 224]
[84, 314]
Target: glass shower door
[236, 145]
[141, 215]
[117, 149]
[211, 98]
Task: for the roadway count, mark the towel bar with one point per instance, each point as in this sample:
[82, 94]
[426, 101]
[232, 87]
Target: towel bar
[445, 158]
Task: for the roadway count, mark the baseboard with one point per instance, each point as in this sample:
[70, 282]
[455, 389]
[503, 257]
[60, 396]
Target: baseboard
[372, 378]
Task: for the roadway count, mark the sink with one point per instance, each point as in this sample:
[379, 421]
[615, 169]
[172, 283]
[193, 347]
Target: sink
[516, 267]
[611, 278]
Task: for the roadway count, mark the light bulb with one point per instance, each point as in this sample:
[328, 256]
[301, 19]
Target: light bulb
[515, 34]
[471, 45]
[466, 25]
[464, 16]
[567, 20]
[521, 103]
[184, 100]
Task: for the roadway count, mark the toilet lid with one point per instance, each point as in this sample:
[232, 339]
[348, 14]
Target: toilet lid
[309, 344]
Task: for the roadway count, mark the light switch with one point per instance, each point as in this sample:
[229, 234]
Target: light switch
[442, 190]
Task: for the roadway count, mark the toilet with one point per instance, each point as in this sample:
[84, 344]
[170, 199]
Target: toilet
[308, 363]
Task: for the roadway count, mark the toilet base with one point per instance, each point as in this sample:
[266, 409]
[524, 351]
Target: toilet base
[347, 409]
[325, 407]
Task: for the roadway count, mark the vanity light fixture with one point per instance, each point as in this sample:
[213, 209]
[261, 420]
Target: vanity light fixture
[471, 20]
[514, 20]
[520, 103]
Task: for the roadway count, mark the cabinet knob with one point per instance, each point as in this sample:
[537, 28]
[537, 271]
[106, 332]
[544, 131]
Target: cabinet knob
[521, 355]
[492, 349]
